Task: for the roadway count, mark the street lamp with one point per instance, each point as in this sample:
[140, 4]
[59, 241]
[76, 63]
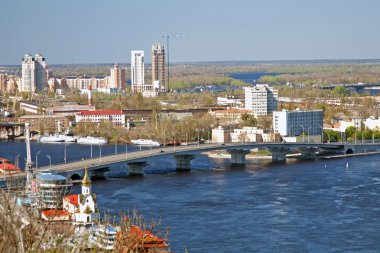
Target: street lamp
[38, 152]
[321, 127]
[290, 130]
[197, 130]
[16, 160]
[308, 134]
[164, 138]
[303, 133]
[64, 157]
[91, 151]
[100, 152]
[126, 150]
[48, 156]
[116, 148]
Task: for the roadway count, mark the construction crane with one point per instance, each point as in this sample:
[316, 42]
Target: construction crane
[168, 36]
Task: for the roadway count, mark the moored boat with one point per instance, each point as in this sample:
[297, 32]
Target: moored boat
[51, 139]
[92, 140]
[144, 142]
[67, 138]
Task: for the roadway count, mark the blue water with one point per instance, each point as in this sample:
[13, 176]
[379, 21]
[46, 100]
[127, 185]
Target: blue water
[251, 77]
[308, 206]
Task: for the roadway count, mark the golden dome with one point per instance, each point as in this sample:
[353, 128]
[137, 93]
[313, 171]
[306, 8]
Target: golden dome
[86, 179]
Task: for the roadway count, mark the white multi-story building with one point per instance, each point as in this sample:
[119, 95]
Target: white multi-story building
[372, 123]
[84, 83]
[34, 73]
[247, 134]
[261, 99]
[298, 122]
[137, 72]
[117, 117]
[228, 101]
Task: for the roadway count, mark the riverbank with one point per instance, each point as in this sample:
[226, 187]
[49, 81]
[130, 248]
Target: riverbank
[348, 155]
[222, 155]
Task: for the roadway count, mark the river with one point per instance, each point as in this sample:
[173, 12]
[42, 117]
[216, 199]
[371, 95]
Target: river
[300, 206]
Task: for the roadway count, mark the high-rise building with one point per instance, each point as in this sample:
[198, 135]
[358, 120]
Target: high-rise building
[158, 68]
[117, 78]
[34, 73]
[41, 72]
[261, 99]
[3, 82]
[137, 72]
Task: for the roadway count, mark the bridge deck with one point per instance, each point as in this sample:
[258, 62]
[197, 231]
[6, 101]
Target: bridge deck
[142, 155]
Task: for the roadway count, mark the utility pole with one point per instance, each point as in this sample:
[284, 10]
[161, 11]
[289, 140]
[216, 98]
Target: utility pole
[28, 164]
[168, 36]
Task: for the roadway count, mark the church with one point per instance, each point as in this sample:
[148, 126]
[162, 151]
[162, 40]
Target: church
[82, 207]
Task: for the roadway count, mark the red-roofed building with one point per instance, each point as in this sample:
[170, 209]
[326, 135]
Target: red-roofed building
[55, 215]
[70, 203]
[4, 160]
[117, 117]
[7, 168]
[137, 240]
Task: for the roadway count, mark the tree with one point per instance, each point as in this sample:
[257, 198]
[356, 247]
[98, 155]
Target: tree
[248, 120]
[340, 91]
[350, 131]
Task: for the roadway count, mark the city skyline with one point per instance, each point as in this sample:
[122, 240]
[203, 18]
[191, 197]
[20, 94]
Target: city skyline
[100, 32]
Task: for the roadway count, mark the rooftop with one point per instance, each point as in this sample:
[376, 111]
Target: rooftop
[73, 199]
[54, 213]
[8, 167]
[51, 177]
[101, 112]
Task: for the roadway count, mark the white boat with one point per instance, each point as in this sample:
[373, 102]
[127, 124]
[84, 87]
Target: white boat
[92, 140]
[67, 138]
[144, 142]
[51, 139]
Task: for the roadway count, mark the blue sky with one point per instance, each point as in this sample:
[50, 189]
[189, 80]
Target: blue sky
[105, 31]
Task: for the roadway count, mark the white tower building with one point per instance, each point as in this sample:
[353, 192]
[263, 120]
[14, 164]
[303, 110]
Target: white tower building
[28, 82]
[261, 99]
[137, 72]
[34, 73]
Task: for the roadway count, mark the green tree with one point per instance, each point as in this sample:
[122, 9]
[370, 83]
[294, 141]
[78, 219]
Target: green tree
[350, 131]
[340, 91]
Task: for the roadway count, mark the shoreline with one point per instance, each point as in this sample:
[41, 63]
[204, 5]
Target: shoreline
[228, 156]
[268, 157]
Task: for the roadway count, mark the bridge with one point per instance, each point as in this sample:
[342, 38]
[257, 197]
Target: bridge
[183, 155]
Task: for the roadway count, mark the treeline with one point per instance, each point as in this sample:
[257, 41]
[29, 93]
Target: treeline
[324, 75]
[351, 134]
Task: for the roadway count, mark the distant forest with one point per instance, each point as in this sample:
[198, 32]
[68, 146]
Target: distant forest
[188, 75]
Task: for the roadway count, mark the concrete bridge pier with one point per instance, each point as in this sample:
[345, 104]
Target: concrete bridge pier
[183, 162]
[279, 154]
[238, 155]
[308, 153]
[99, 173]
[136, 168]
